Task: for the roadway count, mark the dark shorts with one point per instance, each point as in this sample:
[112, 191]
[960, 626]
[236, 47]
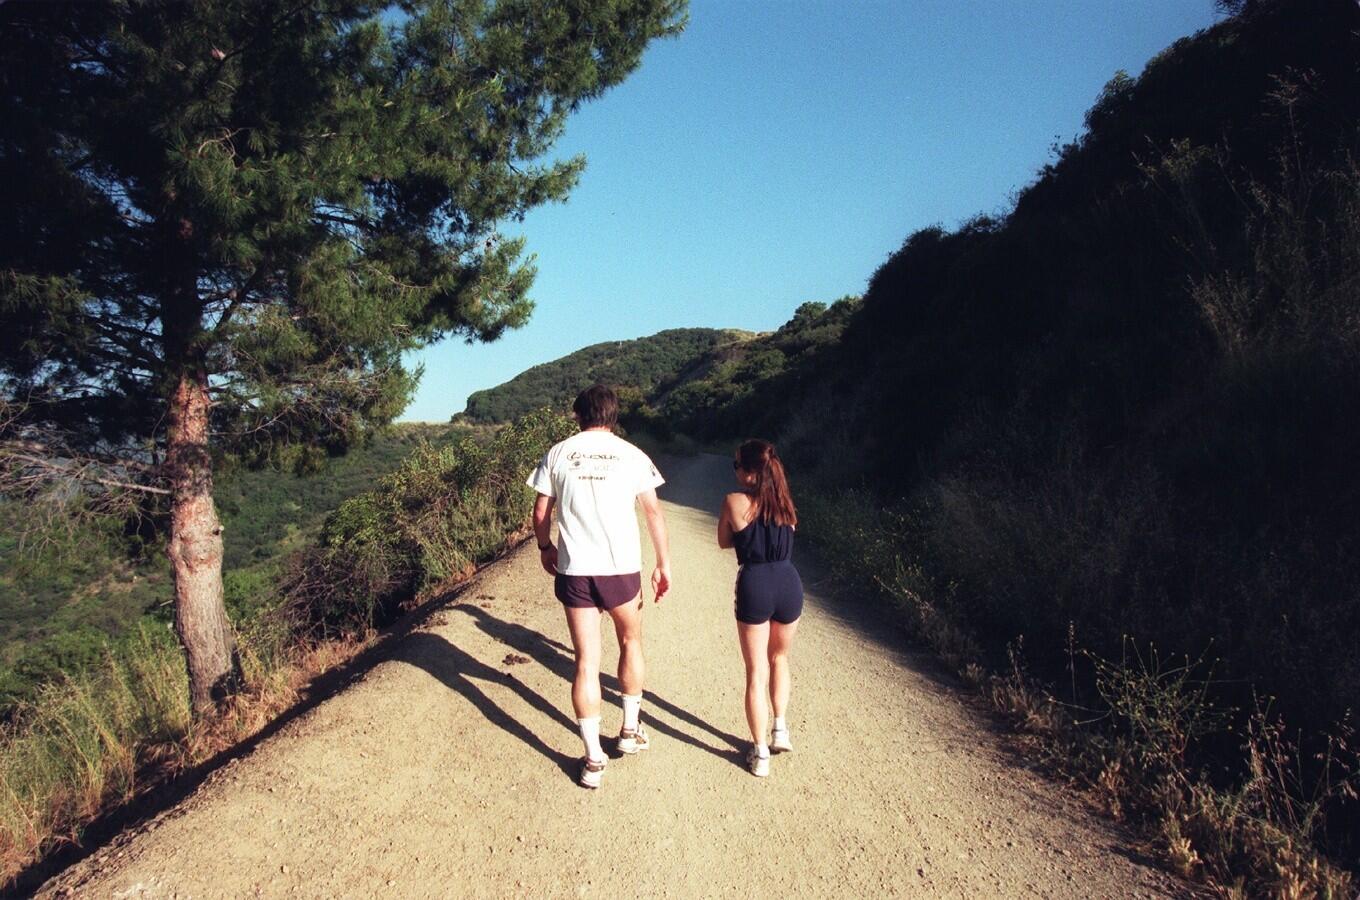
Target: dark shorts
[602, 591]
[769, 592]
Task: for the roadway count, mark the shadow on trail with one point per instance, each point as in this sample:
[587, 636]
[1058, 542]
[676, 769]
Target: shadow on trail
[459, 670]
[558, 658]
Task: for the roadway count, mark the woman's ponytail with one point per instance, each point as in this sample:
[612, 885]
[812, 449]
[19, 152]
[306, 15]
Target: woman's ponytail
[773, 501]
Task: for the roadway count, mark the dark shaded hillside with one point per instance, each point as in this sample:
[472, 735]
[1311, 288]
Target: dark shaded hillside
[641, 363]
[1144, 384]
[1129, 411]
[1141, 389]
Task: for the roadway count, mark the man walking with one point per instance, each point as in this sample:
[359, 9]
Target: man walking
[594, 479]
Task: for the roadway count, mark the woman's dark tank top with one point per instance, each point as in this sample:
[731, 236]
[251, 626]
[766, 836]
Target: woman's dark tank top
[763, 542]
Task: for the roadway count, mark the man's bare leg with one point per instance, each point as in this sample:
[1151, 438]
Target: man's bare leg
[584, 625]
[632, 671]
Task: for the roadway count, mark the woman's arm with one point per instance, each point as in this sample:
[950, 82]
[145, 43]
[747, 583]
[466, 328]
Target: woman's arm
[724, 527]
[733, 510]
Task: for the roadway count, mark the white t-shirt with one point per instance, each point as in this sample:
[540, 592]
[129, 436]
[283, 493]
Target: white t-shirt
[596, 477]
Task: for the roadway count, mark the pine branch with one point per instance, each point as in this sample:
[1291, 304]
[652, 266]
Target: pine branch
[108, 330]
[20, 447]
[24, 473]
[361, 224]
[236, 297]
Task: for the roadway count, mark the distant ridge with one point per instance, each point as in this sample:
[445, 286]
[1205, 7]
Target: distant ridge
[641, 363]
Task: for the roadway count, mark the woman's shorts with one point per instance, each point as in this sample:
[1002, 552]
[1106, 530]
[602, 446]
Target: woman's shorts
[601, 591]
[769, 592]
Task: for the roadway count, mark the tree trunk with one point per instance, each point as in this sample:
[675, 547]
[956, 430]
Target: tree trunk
[195, 547]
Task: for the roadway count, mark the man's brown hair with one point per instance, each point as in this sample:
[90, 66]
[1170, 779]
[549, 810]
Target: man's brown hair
[597, 405]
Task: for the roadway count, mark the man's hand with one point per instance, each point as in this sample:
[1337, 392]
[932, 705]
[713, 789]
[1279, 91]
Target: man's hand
[661, 582]
[548, 559]
[547, 551]
[656, 524]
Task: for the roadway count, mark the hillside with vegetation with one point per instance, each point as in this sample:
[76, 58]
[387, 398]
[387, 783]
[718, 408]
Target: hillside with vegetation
[1106, 443]
[324, 561]
[641, 363]
[67, 592]
[726, 391]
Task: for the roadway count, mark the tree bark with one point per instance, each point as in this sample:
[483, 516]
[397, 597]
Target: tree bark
[195, 547]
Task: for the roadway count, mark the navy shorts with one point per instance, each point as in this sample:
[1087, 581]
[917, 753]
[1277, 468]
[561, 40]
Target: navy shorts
[769, 592]
[600, 591]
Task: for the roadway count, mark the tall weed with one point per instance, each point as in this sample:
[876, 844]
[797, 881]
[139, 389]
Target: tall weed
[78, 747]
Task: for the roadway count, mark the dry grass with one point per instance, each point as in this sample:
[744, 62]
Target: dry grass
[94, 742]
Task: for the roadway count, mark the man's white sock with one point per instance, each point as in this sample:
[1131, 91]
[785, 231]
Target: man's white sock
[632, 710]
[780, 724]
[590, 734]
[762, 750]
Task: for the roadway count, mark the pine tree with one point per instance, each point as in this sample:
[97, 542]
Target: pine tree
[226, 220]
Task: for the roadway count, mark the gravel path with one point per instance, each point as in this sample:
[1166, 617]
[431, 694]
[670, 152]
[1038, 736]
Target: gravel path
[449, 770]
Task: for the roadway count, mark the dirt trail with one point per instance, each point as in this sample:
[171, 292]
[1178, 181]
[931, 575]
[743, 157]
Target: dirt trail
[449, 770]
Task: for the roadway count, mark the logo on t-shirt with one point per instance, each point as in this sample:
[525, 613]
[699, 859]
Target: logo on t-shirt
[592, 466]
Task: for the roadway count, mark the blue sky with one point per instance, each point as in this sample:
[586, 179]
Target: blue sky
[778, 152]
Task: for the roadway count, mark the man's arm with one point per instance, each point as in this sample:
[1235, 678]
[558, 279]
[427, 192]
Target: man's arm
[547, 553]
[656, 527]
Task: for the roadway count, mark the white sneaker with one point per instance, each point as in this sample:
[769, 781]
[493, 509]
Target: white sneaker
[779, 741]
[634, 741]
[759, 765]
[592, 772]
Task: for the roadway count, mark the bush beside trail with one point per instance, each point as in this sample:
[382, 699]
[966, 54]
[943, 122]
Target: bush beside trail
[444, 510]
[1233, 797]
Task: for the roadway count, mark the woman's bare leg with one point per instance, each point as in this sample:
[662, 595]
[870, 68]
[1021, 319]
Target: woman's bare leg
[754, 646]
[781, 680]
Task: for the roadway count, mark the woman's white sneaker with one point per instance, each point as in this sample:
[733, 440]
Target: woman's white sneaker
[758, 764]
[779, 741]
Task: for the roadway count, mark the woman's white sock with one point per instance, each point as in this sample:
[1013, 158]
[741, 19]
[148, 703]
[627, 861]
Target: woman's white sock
[632, 710]
[780, 724]
[590, 734]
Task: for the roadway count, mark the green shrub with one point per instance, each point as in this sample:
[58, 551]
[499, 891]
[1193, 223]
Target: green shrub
[444, 510]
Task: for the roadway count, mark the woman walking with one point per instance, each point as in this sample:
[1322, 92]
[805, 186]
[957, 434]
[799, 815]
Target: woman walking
[758, 522]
